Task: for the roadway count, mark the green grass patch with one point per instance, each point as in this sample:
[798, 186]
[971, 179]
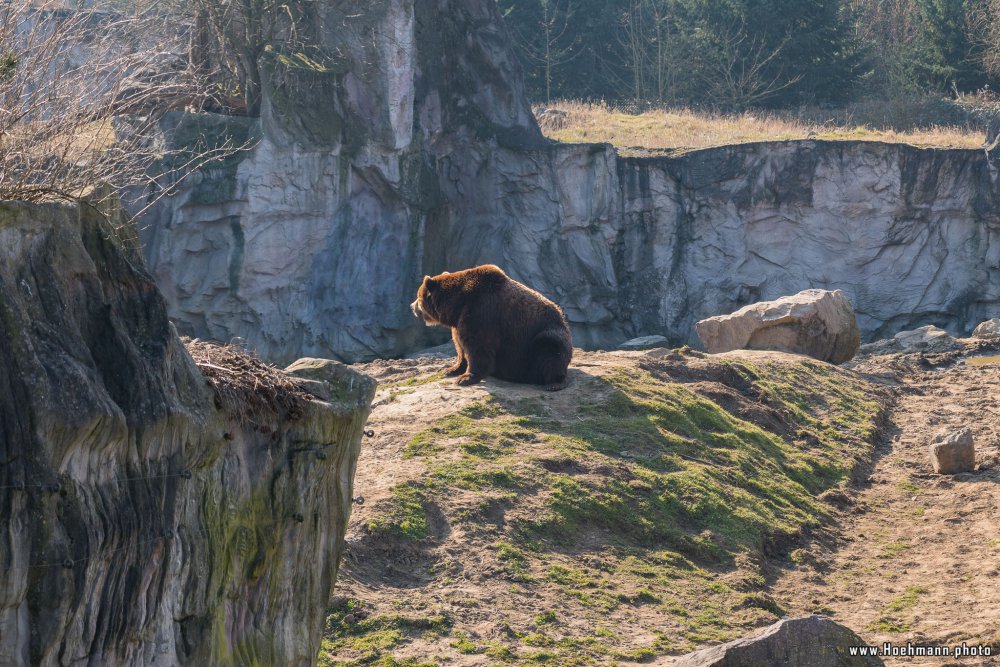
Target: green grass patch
[890, 621]
[545, 617]
[893, 549]
[466, 646]
[404, 515]
[349, 642]
[416, 381]
[693, 467]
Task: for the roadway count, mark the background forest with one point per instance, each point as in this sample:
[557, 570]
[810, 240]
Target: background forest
[938, 58]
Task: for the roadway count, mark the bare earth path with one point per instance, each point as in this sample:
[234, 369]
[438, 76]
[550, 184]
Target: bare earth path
[916, 557]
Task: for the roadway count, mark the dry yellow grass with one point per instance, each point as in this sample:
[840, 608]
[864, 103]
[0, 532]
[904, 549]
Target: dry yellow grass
[679, 130]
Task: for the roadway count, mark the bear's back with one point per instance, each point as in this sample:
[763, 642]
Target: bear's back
[522, 314]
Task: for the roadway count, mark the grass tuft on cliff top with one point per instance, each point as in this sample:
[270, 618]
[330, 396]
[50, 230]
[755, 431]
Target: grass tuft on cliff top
[642, 495]
[678, 130]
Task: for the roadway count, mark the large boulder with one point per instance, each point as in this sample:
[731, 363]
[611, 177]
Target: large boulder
[818, 323]
[809, 641]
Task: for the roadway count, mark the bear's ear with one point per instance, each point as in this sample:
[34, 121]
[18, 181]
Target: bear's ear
[430, 283]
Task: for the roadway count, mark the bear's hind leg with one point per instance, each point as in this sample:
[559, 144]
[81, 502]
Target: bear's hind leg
[556, 386]
[481, 358]
[552, 356]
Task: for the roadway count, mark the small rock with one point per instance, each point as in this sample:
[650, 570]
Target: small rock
[953, 452]
[988, 329]
[818, 323]
[926, 339]
[644, 343]
[835, 496]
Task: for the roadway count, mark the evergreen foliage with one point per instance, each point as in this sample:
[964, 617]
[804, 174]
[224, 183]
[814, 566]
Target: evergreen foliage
[739, 54]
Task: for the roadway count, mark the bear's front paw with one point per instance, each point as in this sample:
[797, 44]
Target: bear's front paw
[467, 378]
[452, 371]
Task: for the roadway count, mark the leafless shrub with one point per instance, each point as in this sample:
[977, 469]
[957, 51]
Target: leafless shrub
[236, 38]
[66, 79]
[738, 77]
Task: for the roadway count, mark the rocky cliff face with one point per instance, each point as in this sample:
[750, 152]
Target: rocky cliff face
[416, 152]
[140, 522]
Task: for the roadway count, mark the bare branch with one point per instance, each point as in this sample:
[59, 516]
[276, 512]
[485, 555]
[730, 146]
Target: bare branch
[66, 78]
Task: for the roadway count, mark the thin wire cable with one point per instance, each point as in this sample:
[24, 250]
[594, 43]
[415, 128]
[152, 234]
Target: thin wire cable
[186, 474]
[70, 562]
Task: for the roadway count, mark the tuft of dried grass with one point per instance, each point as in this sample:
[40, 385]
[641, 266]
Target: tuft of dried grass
[678, 130]
[252, 390]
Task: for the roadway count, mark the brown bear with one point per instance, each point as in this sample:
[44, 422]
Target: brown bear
[500, 327]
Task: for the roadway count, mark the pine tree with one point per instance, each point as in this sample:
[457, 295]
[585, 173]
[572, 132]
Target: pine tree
[954, 55]
[814, 47]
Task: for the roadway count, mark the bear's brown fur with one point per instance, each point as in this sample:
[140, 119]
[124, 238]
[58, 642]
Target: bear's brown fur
[500, 327]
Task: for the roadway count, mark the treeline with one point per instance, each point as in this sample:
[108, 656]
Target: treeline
[739, 54]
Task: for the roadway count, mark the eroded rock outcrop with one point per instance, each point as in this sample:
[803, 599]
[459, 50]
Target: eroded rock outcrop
[416, 153]
[141, 522]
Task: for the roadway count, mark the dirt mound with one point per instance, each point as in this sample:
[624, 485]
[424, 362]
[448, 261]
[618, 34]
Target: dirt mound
[626, 518]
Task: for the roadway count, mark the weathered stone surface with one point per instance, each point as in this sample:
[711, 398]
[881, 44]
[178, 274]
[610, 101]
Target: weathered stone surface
[953, 452]
[987, 329]
[415, 157]
[809, 641]
[880, 347]
[926, 339]
[644, 343]
[443, 351]
[814, 322]
[930, 339]
[151, 527]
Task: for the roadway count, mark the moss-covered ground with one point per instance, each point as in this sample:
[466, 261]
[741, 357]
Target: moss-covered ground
[620, 520]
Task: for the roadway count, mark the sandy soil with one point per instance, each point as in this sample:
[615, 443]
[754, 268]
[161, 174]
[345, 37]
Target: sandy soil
[915, 557]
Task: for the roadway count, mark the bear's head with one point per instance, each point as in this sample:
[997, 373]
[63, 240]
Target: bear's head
[442, 299]
[430, 301]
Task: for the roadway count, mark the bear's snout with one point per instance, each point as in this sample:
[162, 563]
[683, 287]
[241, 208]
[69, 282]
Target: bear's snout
[415, 308]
